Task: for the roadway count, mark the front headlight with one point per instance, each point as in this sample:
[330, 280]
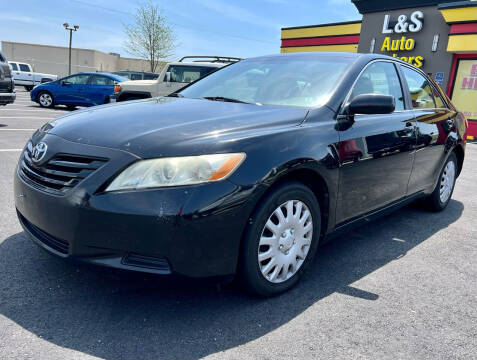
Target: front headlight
[176, 171]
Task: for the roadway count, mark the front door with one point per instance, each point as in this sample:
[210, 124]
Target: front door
[72, 90]
[376, 152]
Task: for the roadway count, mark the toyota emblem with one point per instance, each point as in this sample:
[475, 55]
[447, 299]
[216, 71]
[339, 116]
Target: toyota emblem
[39, 151]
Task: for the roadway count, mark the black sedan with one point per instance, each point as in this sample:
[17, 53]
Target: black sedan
[243, 173]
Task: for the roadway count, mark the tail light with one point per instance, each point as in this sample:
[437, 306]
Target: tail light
[117, 88]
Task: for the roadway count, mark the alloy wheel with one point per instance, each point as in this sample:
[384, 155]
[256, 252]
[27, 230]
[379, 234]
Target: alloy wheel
[285, 241]
[45, 100]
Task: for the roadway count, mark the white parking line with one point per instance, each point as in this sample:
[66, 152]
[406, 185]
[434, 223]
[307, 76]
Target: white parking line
[17, 129]
[5, 150]
[26, 117]
[23, 109]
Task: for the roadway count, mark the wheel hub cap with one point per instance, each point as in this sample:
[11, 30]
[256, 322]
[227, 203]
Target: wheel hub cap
[285, 241]
[447, 181]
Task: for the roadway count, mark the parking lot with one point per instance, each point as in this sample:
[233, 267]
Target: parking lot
[403, 287]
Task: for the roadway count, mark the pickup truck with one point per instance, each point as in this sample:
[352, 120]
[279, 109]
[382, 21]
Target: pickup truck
[7, 87]
[173, 77]
[23, 74]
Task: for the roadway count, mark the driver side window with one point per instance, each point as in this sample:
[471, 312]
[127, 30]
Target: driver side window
[81, 79]
[380, 78]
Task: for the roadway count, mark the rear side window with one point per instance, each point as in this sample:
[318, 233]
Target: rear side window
[438, 99]
[14, 66]
[420, 89]
[380, 78]
[100, 80]
[24, 67]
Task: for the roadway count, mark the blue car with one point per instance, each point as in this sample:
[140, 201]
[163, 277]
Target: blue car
[82, 89]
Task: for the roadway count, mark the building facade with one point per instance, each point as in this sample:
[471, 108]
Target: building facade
[54, 59]
[440, 37]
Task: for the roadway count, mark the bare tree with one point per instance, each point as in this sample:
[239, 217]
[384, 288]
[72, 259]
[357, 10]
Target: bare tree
[150, 37]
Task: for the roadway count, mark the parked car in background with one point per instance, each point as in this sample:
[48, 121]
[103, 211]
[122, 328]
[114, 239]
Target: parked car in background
[136, 75]
[7, 87]
[246, 171]
[23, 74]
[173, 77]
[82, 89]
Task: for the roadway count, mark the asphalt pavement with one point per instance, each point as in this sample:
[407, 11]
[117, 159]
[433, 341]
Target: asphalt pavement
[402, 287]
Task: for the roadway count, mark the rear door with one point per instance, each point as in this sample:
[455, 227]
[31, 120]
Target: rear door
[98, 89]
[376, 152]
[434, 122]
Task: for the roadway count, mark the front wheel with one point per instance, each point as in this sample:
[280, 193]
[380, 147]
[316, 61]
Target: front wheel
[45, 99]
[280, 241]
[440, 197]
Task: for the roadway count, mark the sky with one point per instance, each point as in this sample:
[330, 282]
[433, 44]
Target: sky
[244, 28]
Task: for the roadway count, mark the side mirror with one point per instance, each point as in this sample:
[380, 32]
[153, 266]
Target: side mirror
[168, 78]
[64, 83]
[371, 104]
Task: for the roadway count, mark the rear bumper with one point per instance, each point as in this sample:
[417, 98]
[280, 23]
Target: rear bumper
[7, 98]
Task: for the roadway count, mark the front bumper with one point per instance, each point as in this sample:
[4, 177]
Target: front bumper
[7, 98]
[193, 231]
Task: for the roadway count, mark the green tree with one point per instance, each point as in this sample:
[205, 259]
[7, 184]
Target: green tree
[150, 37]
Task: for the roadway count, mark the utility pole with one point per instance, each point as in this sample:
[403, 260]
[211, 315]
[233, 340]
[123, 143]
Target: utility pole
[70, 29]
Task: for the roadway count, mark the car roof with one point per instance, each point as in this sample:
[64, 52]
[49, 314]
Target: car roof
[323, 54]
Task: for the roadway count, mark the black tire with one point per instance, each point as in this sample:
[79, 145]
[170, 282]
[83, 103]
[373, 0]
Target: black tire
[71, 107]
[249, 273]
[45, 104]
[434, 201]
[28, 87]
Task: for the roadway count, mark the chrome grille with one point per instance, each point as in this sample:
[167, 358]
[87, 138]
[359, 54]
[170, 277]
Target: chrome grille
[59, 174]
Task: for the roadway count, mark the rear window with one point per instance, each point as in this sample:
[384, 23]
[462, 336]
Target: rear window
[150, 76]
[24, 67]
[187, 74]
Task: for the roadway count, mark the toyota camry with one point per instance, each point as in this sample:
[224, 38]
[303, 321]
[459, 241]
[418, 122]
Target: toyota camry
[243, 173]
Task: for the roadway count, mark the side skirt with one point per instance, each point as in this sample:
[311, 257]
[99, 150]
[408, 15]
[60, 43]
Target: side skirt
[371, 216]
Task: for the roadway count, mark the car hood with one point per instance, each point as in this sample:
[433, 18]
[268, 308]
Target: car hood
[172, 126]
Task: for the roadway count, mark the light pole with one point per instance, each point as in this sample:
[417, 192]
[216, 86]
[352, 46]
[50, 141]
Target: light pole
[70, 29]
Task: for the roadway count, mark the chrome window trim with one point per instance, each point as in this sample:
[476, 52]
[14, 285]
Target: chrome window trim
[422, 73]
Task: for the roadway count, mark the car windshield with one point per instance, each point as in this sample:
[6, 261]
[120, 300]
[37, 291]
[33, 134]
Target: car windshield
[305, 82]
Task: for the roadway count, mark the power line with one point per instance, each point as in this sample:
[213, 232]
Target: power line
[178, 24]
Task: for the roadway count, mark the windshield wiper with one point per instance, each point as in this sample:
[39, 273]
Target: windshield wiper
[175, 95]
[225, 99]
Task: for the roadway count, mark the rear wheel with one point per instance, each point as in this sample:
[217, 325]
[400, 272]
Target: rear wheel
[45, 99]
[28, 87]
[440, 197]
[71, 107]
[280, 241]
